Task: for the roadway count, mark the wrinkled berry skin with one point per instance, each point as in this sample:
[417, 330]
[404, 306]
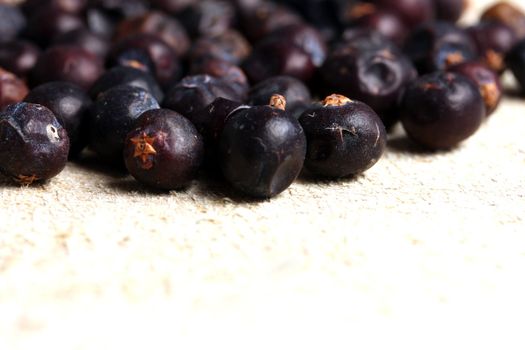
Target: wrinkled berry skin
[342, 140]
[33, 144]
[167, 66]
[12, 21]
[112, 117]
[493, 41]
[487, 81]
[515, 61]
[173, 153]
[12, 89]
[19, 57]
[293, 90]
[449, 10]
[67, 63]
[70, 104]
[374, 76]
[262, 151]
[438, 45]
[126, 76]
[196, 92]
[440, 110]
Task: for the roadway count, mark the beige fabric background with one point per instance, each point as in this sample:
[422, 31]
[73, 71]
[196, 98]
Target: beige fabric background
[423, 251]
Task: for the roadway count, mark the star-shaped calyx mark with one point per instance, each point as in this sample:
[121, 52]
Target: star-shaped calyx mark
[26, 180]
[144, 150]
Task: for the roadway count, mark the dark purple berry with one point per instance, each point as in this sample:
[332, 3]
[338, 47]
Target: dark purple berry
[449, 10]
[165, 27]
[69, 6]
[344, 137]
[413, 12]
[164, 150]
[229, 46]
[515, 60]
[19, 57]
[440, 110]
[172, 6]
[12, 89]
[293, 90]
[493, 41]
[47, 23]
[224, 70]
[84, 38]
[67, 63]
[439, 45]
[207, 17]
[33, 144]
[12, 22]
[508, 14]
[195, 92]
[126, 76]
[262, 149]
[112, 117]
[487, 81]
[70, 104]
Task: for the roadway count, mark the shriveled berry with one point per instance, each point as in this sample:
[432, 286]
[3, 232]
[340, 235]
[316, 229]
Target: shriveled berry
[70, 104]
[67, 63]
[112, 117]
[439, 45]
[487, 81]
[12, 89]
[493, 41]
[195, 92]
[262, 150]
[440, 110]
[126, 76]
[293, 90]
[19, 57]
[344, 137]
[33, 144]
[164, 150]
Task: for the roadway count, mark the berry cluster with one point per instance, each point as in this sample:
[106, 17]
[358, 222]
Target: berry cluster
[257, 90]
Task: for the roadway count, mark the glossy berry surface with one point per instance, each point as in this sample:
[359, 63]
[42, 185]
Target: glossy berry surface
[12, 22]
[12, 89]
[33, 145]
[67, 63]
[344, 137]
[487, 81]
[493, 41]
[224, 70]
[413, 12]
[441, 110]
[449, 10]
[19, 57]
[196, 92]
[70, 104]
[292, 89]
[262, 150]
[164, 150]
[47, 23]
[507, 14]
[230, 46]
[113, 115]
[126, 76]
[376, 76]
[85, 39]
[438, 45]
[207, 17]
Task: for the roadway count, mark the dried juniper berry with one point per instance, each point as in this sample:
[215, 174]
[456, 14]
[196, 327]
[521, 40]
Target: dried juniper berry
[12, 22]
[126, 76]
[262, 149]
[164, 150]
[159, 23]
[224, 70]
[207, 17]
[33, 144]
[439, 45]
[493, 41]
[172, 6]
[487, 81]
[515, 61]
[293, 90]
[19, 57]
[134, 58]
[449, 10]
[413, 12]
[344, 137]
[12, 89]
[70, 104]
[375, 75]
[48, 23]
[440, 110]
[112, 116]
[195, 92]
[506, 13]
[69, 6]
[325, 15]
[230, 46]
[84, 38]
[167, 66]
[67, 63]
